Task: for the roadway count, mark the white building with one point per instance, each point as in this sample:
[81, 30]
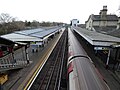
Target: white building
[74, 22]
[102, 21]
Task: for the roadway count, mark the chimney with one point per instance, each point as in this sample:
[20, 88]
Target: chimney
[103, 13]
[118, 24]
[92, 16]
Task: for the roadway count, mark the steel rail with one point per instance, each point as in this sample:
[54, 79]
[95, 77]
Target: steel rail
[57, 67]
[46, 80]
[61, 68]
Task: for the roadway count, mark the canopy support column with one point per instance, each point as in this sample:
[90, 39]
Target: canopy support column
[108, 58]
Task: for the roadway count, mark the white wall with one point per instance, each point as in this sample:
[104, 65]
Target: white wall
[105, 23]
[90, 24]
[112, 23]
[75, 22]
[96, 23]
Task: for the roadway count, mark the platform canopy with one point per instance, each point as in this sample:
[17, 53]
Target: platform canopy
[32, 35]
[95, 38]
[19, 37]
[45, 33]
[6, 42]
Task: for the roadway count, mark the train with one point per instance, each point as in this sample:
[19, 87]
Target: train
[81, 71]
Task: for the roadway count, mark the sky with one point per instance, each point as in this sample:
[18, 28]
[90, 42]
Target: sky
[56, 10]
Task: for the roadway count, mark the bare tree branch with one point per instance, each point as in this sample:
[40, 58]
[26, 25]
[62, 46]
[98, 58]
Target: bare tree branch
[5, 18]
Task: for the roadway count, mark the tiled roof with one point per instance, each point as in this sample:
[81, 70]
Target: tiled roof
[104, 29]
[108, 17]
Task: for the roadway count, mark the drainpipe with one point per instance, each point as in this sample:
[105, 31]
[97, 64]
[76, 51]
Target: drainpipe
[108, 58]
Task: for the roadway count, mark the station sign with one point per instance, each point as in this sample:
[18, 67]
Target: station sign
[101, 48]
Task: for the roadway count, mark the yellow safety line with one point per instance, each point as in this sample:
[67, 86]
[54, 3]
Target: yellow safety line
[41, 64]
[36, 71]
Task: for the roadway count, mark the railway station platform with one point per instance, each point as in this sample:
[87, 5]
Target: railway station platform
[9, 58]
[35, 37]
[19, 58]
[101, 42]
[23, 77]
[109, 75]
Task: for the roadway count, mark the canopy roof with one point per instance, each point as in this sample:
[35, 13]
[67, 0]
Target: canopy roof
[96, 38]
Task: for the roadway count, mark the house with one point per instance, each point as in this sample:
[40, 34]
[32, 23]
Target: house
[74, 22]
[102, 22]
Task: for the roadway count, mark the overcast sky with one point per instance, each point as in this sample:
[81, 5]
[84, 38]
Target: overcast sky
[56, 10]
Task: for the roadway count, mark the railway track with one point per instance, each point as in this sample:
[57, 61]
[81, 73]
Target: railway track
[50, 76]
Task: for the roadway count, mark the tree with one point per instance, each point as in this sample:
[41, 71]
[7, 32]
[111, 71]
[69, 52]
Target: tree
[27, 23]
[9, 24]
[35, 24]
[5, 18]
